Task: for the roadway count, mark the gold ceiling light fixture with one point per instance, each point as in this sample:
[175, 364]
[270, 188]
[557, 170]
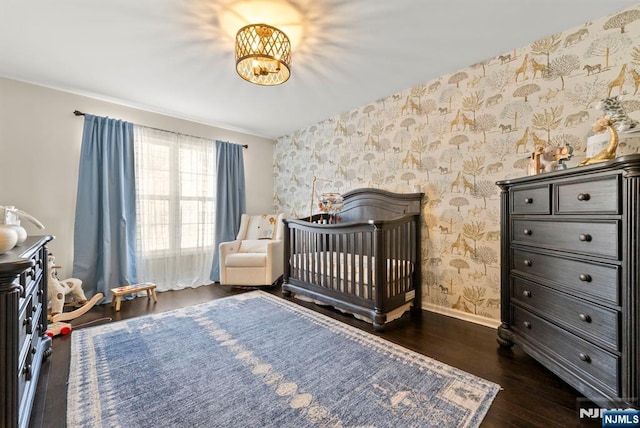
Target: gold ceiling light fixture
[263, 54]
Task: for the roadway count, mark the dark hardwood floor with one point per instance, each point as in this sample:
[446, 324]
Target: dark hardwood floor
[531, 396]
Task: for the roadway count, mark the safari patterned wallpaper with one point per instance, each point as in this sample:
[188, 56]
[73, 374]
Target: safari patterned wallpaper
[454, 137]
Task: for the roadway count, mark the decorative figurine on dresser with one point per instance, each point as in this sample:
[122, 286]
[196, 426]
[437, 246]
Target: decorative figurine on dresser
[23, 325]
[570, 275]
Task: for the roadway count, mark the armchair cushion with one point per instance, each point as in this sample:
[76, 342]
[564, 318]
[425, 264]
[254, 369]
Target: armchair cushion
[246, 260]
[253, 246]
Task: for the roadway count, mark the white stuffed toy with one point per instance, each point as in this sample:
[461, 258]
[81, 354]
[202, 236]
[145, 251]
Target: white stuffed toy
[59, 292]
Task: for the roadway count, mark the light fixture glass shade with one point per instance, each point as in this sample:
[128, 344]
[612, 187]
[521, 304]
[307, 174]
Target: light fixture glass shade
[263, 54]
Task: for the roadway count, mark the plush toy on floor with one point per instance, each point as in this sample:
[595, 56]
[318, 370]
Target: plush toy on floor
[68, 291]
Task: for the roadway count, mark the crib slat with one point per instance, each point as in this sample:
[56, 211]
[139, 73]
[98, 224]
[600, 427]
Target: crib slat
[369, 256]
[401, 260]
[308, 251]
[405, 258]
[360, 282]
[343, 263]
[320, 255]
[396, 261]
[305, 260]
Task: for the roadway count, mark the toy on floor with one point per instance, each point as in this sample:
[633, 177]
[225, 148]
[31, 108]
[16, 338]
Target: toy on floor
[68, 291]
[63, 328]
[58, 328]
[68, 316]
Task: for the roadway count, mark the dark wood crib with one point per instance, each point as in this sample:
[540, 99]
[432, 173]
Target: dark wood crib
[366, 263]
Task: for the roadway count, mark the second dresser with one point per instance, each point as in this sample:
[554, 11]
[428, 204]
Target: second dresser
[569, 275]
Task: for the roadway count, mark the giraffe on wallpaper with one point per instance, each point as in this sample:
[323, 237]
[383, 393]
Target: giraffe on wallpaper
[618, 81]
[523, 141]
[405, 107]
[457, 243]
[409, 106]
[456, 121]
[410, 161]
[537, 67]
[456, 182]
[467, 249]
[537, 141]
[467, 185]
[466, 122]
[523, 68]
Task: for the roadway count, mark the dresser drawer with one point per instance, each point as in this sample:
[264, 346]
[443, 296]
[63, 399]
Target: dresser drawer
[577, 355]
[28, 280]
[600, 281]
[596, 238]
[34, 290]
[26, 324]
[594, 197]
[38, 260]
[25, 374]
[587, 320]
[30, 288]
[531, 200]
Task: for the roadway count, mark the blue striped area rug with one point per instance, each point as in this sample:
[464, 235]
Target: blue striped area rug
[256, 360]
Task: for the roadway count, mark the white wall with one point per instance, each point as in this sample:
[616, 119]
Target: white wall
[40, 142]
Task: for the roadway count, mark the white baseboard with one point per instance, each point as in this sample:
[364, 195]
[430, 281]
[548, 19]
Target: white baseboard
[487, 322]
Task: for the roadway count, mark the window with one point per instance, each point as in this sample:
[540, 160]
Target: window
[175, 190]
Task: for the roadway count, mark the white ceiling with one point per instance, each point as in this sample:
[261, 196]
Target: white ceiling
[172, 57]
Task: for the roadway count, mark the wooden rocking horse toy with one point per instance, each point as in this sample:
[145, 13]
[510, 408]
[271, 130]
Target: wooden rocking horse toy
[67, 292]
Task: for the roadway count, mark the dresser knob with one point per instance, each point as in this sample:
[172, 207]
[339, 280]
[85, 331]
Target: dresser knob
[527, 232]
[27, 371]
[585, 277]
[584, 196]
[585, 317]
[526, 293]
[527, 324]
[585, 357]
[527, 262]
[528, 200]
[584, 237]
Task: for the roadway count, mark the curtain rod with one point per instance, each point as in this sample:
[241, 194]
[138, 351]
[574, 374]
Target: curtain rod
[79, 113]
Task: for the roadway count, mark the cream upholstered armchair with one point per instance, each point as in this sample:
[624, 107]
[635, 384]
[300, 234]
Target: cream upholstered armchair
[255, 258]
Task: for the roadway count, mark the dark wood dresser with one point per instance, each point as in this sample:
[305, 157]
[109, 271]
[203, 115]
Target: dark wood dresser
[23, 323]
[569, 275]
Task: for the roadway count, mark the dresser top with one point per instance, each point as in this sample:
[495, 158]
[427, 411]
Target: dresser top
[631, 162]
[15, 261]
